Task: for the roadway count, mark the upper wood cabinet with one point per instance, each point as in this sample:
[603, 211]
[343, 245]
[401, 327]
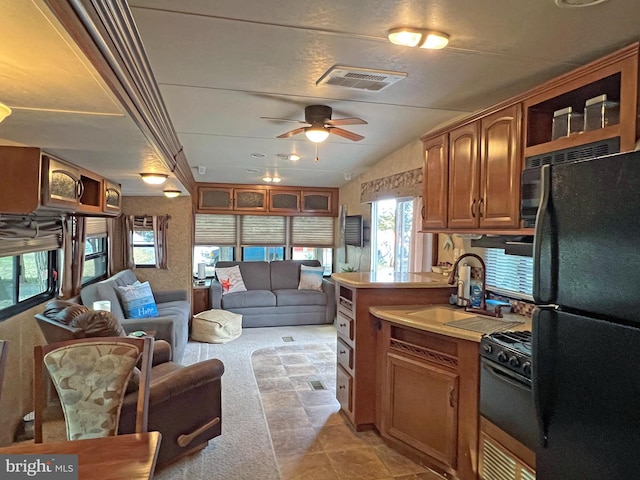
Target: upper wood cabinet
[615, 75]
[319, 201]
[500, 169]
[464, 177]
[35, 180]
[267, 199]
[112, 197]
[435, 182]
[284, 201]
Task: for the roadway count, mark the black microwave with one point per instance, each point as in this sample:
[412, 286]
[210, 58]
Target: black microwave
[531, 187]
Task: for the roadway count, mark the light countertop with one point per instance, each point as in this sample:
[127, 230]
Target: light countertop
[433, 318]
[392, 280]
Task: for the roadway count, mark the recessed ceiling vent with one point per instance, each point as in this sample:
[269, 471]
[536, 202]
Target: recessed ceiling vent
[360, 78]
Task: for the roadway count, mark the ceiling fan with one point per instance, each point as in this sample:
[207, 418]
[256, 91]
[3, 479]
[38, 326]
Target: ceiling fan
[318, 124]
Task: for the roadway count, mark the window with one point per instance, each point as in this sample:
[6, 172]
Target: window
[265, 254]
[391, 235]
[95, 259]
[209, 255]
[26, 280]
[324, 255]
[144, 252]
[509, 275]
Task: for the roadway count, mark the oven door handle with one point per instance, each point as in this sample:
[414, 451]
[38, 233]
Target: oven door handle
[507, 376]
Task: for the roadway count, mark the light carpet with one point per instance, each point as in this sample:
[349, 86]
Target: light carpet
[244, 450]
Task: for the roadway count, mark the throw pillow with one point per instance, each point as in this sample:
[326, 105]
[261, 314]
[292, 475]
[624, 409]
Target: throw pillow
[231, 279]
[138, 301]
[98, 324]
[310, 278]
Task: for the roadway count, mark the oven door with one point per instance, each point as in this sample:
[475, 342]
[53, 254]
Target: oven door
[506, 400]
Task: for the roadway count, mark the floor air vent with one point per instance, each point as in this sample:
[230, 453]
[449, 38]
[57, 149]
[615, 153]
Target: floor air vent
[287, 339]
[316, 385]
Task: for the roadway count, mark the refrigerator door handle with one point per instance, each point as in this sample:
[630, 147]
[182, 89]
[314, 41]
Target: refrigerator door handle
[545, 271]
[543, 359]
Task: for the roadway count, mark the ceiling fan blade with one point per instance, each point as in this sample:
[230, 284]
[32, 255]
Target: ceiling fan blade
[346, 134]
[346, 121]
[283, 119]
[291, 133]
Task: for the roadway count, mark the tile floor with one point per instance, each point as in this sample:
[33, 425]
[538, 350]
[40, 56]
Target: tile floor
[311, 439]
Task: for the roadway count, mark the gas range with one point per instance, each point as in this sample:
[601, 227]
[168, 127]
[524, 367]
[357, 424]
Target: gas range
[512, 350]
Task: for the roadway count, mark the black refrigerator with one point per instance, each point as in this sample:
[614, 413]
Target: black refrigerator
[586, 326]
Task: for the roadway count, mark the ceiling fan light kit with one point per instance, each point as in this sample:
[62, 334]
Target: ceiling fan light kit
[154, 178]
[415, 37]
[316, 134]
[318, 124]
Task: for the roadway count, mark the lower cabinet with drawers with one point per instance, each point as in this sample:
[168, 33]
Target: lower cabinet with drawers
[358, 369]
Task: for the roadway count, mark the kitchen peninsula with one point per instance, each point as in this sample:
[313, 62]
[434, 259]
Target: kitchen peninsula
[404, 370]
[358, 362]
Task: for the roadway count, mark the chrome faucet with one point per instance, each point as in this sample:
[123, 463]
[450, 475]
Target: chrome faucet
[483, 306]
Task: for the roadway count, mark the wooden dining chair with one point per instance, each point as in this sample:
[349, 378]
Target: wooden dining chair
[91, 376]
[3, 360]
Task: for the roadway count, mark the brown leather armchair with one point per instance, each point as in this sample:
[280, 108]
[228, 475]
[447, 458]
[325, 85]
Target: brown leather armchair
[185, 403]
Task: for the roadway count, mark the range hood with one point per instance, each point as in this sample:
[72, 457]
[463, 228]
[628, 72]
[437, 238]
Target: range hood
[511, 244]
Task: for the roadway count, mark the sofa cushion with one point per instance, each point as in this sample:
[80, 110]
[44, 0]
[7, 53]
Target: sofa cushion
[252, 298]
[286, 273]
[179, 309]
[138, 301]
[231, 279]
[254, 274]
[291, 297]
[311, 278]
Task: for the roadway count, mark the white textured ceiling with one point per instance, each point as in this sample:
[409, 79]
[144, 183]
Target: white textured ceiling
[223, 64]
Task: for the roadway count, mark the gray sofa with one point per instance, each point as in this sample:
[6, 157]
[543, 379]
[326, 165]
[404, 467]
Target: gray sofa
[272, 297]
[174, 311]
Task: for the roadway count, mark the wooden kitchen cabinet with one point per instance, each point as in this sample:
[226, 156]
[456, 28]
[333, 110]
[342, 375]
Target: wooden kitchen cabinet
[284, 200]
[358, 359]
[420, 394]
[266, 200]
[464, 177]
[35, 181]
[484, 172]
[500, 169]
[435, 182]
[112, 198]
[319, 201]
[430, 398]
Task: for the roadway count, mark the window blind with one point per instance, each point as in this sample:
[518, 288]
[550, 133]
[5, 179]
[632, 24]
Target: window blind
[215, 229]
[511, 275]
[25, 234]
[312, 231]
[96, 226]
[261, 230]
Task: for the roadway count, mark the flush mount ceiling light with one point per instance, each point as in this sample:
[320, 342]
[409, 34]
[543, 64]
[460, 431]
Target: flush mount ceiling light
[316, 133]
[294, 157]
[154, 178]
[172, 193]
[577, 3]
[415, 37]
[269, 179]
[4, 111]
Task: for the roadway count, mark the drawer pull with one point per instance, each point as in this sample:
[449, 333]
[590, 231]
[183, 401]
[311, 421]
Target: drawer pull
[342, 352]
[343, 324]
[341, 387]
